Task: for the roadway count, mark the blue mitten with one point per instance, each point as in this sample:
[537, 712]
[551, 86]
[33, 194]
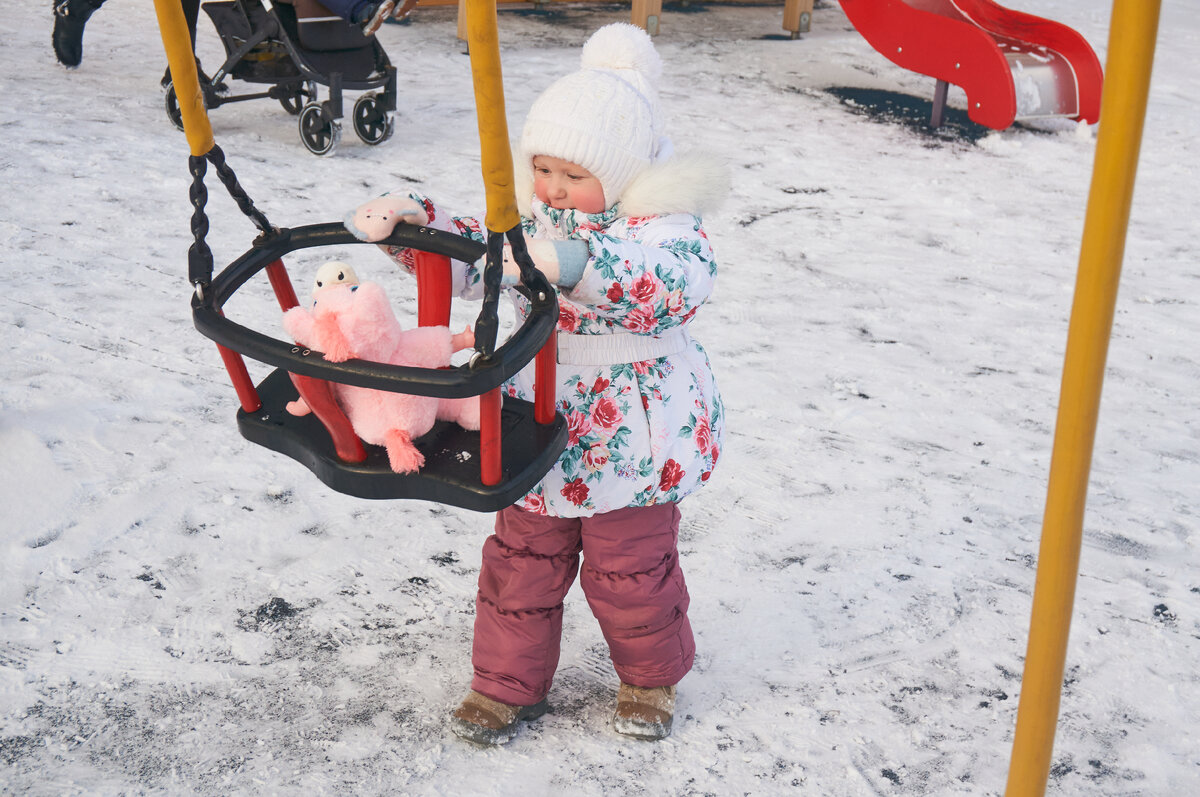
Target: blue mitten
[562, 262]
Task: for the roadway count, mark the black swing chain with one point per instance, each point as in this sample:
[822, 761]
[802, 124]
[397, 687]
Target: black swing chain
[200, 259]
[520, 253]
[244, 203]
[487, 325]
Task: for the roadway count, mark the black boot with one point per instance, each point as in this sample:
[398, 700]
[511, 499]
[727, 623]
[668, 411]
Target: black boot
[205, 80]
[69, 18]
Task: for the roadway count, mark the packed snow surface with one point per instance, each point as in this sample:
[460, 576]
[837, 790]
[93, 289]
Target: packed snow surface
[184, 612]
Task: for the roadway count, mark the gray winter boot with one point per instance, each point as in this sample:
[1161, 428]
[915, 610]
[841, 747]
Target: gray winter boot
[645, 713]
[485, 721]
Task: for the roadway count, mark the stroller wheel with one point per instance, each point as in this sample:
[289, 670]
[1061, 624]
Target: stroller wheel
[373, 124]
[172, 103]
[319, 133]
[306, 92]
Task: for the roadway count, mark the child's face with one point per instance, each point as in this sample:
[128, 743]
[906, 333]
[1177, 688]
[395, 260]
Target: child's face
[565, 185]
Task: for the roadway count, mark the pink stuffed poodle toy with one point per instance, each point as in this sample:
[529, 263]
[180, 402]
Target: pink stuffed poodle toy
[348, 320]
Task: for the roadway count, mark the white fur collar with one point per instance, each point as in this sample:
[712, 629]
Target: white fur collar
[685, 183]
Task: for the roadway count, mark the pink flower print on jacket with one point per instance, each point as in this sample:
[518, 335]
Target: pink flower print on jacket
[606, 414]
[645, 291]
[579, 426]
[596, 457]
[703, 436]
[672, 475]
[676, 304]
[533, 502]
[641, 321]
[575, 491]
[568, 317]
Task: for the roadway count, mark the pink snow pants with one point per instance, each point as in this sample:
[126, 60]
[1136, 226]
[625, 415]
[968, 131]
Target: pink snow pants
[630, 577]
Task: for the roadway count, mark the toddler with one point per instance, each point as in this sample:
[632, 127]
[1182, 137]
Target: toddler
[612, 218]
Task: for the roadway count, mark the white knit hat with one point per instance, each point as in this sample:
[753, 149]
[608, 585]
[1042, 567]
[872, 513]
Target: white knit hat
[605, 117]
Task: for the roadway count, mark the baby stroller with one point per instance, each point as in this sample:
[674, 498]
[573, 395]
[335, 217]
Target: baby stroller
[295, 46]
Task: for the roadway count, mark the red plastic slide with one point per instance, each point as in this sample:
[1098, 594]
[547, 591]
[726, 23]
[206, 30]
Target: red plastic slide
[1011, 65]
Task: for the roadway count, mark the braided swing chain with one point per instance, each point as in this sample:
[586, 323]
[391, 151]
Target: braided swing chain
[244, 203]
[200, 259]
[487, 325]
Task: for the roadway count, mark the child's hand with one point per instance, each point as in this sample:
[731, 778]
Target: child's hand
[543, 255]
[375, 220]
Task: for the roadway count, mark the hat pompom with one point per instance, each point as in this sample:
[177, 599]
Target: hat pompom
[622, 46]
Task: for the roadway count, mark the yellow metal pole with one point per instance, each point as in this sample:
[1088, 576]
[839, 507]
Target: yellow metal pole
[178, 43]
[1132, 34]
[483, 41]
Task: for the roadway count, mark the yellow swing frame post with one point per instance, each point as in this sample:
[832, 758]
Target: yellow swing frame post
[1132, 33]
[483, 43]
[178, 44]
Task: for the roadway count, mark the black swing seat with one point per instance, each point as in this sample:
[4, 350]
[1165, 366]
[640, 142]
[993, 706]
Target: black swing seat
[451, 474]
[451, 471]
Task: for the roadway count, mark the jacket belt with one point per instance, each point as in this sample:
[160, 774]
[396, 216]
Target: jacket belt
[620, 347]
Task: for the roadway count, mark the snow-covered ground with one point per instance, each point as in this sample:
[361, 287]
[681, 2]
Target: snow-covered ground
[182, 612]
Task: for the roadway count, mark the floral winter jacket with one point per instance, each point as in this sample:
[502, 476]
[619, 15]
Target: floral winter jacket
[640, 433]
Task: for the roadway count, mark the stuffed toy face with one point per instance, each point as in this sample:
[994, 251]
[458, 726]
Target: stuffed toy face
[334, 273]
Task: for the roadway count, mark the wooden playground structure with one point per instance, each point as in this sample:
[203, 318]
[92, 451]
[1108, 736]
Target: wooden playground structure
[646, 14]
